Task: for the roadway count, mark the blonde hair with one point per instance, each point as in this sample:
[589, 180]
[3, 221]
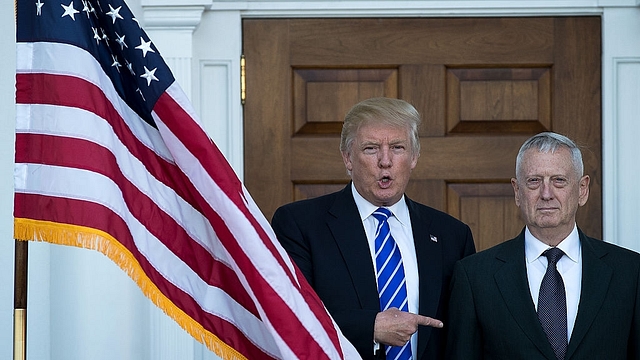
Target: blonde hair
[394, 112]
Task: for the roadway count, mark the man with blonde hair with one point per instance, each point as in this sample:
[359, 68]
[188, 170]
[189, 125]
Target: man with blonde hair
[380, 262]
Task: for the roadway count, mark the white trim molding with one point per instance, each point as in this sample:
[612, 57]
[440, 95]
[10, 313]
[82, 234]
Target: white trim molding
[357, 8]
[624, 205]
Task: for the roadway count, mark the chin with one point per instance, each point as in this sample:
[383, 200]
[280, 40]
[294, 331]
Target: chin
[548, 224]
[386, 201]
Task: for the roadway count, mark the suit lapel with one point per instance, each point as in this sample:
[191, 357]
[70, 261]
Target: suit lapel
[347, 230]
[596, 276]
[511, 279]
[429, 258]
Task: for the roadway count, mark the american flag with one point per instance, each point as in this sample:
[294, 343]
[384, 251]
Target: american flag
[110, 156]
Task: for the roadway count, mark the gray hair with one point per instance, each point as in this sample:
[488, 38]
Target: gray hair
[550, 142]
[394, 112]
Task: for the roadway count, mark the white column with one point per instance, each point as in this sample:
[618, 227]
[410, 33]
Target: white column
[217, 50]
[7, 130]
[621, 124]
[170, 27]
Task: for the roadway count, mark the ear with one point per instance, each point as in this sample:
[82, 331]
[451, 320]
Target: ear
[584, 190]
[414, 160]
[514, 184]
[346, 158]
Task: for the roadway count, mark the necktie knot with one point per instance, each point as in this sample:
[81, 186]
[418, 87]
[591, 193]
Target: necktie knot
[381, 214]
[553, 255]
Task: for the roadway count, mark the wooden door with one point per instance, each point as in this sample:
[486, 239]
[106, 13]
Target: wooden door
[482, 85]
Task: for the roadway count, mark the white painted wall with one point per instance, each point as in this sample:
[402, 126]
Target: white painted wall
[621, 125]
[81, 306]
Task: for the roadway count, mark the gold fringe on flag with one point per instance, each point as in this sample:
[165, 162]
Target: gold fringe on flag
[89, 238]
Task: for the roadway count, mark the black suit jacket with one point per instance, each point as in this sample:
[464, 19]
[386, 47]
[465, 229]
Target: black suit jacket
[326, 239]
[492, 315]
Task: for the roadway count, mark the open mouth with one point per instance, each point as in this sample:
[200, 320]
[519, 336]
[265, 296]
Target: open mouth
[384, 182]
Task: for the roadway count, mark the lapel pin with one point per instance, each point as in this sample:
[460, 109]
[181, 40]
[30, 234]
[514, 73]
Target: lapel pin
[433, 238]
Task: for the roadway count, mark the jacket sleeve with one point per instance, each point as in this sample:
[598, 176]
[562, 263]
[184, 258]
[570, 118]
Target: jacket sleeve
[464, 337]
[292, 240]
[634, 335]
[356, 323]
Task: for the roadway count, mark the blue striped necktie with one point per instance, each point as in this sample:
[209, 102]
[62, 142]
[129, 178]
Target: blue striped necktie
[391, 281]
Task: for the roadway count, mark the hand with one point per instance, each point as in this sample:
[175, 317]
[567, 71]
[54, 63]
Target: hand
[395, 327]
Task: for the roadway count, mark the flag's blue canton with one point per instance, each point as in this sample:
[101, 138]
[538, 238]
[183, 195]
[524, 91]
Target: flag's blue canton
[109, 31]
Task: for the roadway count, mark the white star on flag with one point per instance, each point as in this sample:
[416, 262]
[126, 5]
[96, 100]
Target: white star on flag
[96, 36]
[114, 13]
[145, 47]
[120, 40]
[39, 6]
[85, 8]
[149, 75]
[69, 10]
[115, 63]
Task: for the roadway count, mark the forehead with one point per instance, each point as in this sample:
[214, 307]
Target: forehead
[381, 131]
[536, 162]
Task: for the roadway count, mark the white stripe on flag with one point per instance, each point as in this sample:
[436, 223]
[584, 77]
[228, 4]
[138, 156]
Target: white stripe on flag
[89, 186]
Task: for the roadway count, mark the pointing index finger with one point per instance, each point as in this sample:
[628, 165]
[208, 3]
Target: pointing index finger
[427, 321]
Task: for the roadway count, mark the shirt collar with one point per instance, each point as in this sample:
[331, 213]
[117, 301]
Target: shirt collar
[399, 210]
[534, 247]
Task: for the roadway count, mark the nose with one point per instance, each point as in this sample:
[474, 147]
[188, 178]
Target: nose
[546, 190]
[384, 159]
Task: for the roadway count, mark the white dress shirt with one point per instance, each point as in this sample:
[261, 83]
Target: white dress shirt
[400, 227]
[569, 267]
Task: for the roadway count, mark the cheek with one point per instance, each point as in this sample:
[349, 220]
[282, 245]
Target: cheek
[370, 163]
[527, 200]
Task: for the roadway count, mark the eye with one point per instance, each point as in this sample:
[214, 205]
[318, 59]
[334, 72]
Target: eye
[397, 148]
[560, 181]
[370, 149]
[533, 183]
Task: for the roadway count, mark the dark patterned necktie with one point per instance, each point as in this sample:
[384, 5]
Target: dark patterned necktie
[391, 280]
[552, 304]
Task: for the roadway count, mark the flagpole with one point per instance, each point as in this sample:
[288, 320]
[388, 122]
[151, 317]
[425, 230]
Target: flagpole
[20, 285]
[20, 301]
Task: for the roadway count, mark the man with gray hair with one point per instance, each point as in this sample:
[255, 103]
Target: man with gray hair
[552, 292]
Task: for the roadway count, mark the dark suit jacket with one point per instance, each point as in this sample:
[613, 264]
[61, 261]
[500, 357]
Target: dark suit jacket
[492, 315]
[326, 239]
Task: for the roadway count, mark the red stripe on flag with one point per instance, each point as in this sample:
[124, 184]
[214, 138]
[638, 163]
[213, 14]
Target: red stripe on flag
[192, 137]
[68, 91]
[284, 320]
[215, 165]
[83, 213]
[81, 154]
